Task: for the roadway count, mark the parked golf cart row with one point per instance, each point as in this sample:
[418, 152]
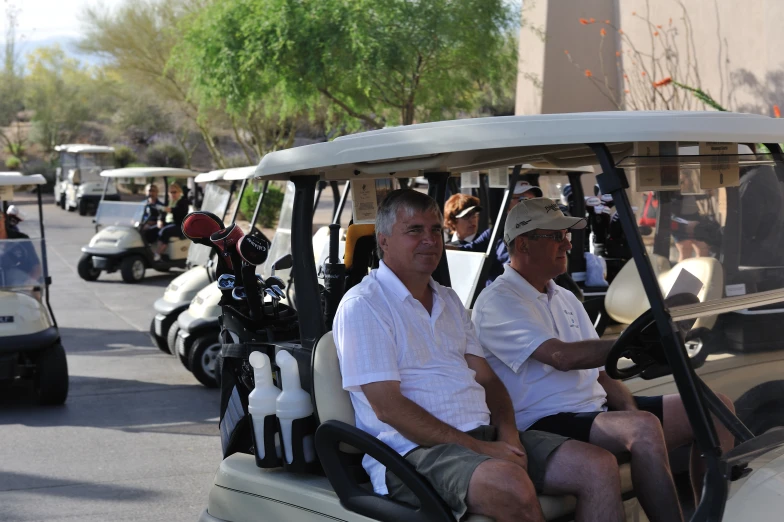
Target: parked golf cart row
[30, 348]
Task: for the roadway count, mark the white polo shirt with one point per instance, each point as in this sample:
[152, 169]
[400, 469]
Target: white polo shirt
[383, 334]
[512, 320]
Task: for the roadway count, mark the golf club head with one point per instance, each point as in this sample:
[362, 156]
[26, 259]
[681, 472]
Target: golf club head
[271, 293]
[279, 291]
[199, 226]
[239, 293]
[274, 281]
[253, 250]
[226, 240]
[282, 263]
[226, 281]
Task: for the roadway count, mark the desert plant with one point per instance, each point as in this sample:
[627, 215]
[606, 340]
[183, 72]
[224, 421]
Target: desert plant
[13, 163]
[123, 156]
[166, 155]
[270, 207]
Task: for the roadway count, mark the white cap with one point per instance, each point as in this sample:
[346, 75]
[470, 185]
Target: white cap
[538, 213]
[523, 187]
[13, 211]
[468, 210]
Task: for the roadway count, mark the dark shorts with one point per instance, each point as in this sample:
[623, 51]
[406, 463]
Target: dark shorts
[578, 425]
[169, 231]
[448, 467]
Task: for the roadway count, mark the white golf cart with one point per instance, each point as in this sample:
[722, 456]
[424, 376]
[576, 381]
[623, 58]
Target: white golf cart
[221, 197]
[30, 348]
[744, 484]
[119, 242]
[78, 185]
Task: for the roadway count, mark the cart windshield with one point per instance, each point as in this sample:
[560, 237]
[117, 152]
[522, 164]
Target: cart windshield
[21, 268]
[217, 196]
[281, 241]
[120, 213]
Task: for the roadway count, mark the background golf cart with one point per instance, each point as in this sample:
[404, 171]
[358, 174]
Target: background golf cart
[437, 149]
[119, 243]
[78, 185]
[30, 348]
[222, 198]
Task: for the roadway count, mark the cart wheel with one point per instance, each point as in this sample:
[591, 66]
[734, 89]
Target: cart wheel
[171, 337]
[82, 206]
[86, 269]
[203, 359]
[51, 380]
[132, 269]
[157, 341]
[62, 201]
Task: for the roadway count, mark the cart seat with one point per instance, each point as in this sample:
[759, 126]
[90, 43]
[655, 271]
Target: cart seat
[626, 299]
[360, 252]
[334, 404]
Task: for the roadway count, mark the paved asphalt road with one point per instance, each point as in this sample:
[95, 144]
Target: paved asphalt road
[138, 437]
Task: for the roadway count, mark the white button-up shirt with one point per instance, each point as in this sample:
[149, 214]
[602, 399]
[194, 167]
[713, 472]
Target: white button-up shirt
[383, 334]
[512, 320]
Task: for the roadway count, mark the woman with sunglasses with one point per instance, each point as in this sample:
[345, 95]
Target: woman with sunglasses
[171, 224]
[461, 218]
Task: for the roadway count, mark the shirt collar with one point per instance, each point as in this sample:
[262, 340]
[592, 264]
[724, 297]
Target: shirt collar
[387, 278]
[524, 288]
[466, 239]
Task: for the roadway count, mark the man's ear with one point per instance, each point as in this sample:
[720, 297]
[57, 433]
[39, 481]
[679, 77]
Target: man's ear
[382, 241]
[521, 243]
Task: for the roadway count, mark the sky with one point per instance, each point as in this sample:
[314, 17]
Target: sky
[48, 19]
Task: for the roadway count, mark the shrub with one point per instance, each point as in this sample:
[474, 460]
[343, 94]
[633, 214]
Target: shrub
[270, 208]
[13, 163]
[166, 155]
[123, 156]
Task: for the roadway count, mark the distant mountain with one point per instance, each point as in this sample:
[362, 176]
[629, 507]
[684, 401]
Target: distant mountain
[66, 43]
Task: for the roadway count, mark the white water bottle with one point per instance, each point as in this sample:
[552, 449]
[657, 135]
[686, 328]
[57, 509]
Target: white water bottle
[293, 404]
[262, 402]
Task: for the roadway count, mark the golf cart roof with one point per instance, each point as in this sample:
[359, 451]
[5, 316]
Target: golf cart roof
[213, 175]
[547, 140]
[240, 173]
[77, 148]
[149, 172]
[16, 179]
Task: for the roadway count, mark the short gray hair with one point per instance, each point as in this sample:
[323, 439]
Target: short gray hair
[408, 200]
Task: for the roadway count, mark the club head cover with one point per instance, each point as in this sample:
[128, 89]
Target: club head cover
[226, 240]
[274, 281]
[253, 250]
[238, 293]
[199, 226]
[226, 281]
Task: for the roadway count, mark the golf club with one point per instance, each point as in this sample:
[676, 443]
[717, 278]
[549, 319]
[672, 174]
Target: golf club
[226, 240]
[199, 226]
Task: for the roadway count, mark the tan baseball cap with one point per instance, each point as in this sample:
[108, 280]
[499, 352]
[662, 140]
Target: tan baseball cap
[538, 213]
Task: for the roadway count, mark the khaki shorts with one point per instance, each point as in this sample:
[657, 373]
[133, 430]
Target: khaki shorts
[448, 467]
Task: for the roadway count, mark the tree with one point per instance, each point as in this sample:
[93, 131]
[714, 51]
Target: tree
[11, 85]
[136, 40]
[57, 92]
[377, 61]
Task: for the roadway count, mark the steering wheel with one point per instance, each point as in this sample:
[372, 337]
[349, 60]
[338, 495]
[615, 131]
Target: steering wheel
[641, 342]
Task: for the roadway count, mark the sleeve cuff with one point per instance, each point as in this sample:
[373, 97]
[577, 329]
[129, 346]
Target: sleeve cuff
[526, 354]
[354, 384]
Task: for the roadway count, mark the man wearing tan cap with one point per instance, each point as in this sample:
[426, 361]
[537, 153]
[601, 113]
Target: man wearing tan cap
[542, 345]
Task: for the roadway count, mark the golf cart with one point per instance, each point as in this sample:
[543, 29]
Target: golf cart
[743, 484]
[221, 197]
[119, 242]
[78, 185]
[30, 348]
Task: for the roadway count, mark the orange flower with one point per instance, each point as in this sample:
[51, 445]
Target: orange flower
[626, 91]
[617, 53]
[607, 22]
[588, 73]
[670, 21]
[644, 73]
[659, 27]
[776, 111]
[592, 20]
[663, 82]
[656, 33]
[583, 21]
[634, 13]
[626, 76]
[566, 52]
[620, 31]
[603, 32]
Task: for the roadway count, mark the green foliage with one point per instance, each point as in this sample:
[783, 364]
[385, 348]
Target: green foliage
[123, 156]
[13, 163]
[166, 155]
[378, 61]
[270, 207]
[701, 95]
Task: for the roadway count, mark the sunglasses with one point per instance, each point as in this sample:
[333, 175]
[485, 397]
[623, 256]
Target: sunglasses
[557, 236]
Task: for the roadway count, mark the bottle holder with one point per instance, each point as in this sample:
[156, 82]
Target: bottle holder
[303, 445]
[268, 451]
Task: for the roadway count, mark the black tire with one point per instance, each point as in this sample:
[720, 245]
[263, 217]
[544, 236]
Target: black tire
[51, 378]
[82, 206]
[62, 201]
[203, 359]
[86, 269]
[762, 407]
[132, 269]
[157, 341]
[69, 208]
[171, 337]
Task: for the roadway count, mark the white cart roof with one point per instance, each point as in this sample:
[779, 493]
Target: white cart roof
[240, 173]
[77, 148]
[148, 172]
[547, 140]
[213, 175]
[16, 179]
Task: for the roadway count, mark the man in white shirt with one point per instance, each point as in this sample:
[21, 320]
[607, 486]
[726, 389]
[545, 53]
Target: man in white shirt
[541, 343]
[419, 382]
